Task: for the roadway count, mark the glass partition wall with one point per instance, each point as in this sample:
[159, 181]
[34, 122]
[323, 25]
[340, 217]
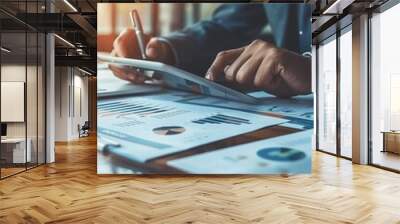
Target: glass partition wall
[327, 95]
[22, 76]
[345, 92]
[334, 94]
[385, 89]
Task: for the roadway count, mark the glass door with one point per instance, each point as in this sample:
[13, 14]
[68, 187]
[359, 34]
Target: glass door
[385, 89]
[326, 94]
[345, 60]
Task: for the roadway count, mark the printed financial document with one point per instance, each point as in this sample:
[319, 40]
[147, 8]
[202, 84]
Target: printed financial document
[146, 128]
[298, 110]
[284, 154]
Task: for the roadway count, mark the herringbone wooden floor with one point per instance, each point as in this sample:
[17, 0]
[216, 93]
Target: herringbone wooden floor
[69, 191]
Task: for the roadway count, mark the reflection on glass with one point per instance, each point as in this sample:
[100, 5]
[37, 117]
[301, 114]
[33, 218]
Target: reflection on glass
[14, 153]
[31, 97]
[327, 96]
[385, 85]
[22, 90]
[346, 94]
[41, 99]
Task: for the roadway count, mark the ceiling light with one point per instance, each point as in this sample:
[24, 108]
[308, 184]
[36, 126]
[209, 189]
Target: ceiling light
[5, 50]
[337, 7]
[65, 41]
[70, 5]
[80, 51]
[84, 71]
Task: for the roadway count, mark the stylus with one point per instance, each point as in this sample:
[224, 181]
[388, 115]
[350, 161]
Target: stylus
[137, 27]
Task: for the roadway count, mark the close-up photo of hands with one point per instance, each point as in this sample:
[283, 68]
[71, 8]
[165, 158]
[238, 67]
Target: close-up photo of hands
[221, 71]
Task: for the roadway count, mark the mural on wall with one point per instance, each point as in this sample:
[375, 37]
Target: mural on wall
[204, 89]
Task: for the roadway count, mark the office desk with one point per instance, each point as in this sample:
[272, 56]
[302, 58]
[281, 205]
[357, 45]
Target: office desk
[13, 150]
[391, 141]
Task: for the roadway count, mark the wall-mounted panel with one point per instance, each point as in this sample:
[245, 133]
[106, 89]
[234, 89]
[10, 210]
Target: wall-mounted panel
[12, 101]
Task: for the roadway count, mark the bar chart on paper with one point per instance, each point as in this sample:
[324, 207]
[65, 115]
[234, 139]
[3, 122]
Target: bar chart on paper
[222, 119]
[300, 107]
[128, 108]
[147, 128]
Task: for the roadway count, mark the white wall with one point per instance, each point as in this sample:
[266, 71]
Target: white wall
[81, 100]
[12, 73]
[50, 95]
[61, 103]
[33, 126]
[71, 94]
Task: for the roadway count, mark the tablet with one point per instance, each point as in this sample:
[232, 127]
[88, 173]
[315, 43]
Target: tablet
[108, 85]
[179, 79]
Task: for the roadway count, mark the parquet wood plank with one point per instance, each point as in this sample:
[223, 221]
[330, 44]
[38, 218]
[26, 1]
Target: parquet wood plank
[70, 191]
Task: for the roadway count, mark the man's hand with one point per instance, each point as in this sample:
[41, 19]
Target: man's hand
[126, 45]
[262, 65]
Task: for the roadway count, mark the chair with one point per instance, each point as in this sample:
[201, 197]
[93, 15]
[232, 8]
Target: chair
[84, 130]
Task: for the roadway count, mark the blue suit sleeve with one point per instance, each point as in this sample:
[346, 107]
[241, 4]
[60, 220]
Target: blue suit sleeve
[231, 26]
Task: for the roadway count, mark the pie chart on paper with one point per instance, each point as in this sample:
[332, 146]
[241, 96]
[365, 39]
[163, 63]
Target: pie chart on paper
[169, 130]
[282, 154]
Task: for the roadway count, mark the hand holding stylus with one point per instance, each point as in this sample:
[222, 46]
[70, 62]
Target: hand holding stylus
[131, 44]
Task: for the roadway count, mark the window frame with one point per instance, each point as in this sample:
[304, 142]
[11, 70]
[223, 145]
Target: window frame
[347, 27]
[378, 10]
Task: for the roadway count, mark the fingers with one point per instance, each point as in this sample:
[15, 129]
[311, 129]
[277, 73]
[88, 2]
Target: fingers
[153, 48]
[247, 72]
[128, 74]
[158, 50]
[113, 53]
[244, 68]
[125, 44]
[283, 73]
[268, 77]
[296, 71]
[231, 71]
[265, 74]
[223, 59]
